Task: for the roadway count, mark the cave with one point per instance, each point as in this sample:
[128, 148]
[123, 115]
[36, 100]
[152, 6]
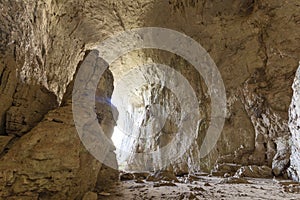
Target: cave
[148, 99]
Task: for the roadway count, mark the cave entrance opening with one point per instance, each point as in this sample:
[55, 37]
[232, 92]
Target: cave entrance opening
[151, 116]
[132, 134]
[117, 139]
[127, 132]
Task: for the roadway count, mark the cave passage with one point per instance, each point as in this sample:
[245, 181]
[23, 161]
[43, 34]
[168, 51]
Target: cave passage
[117, 139]
[153, 105]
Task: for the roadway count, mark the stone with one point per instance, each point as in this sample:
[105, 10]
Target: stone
[207, 184]
[294, 124]
[197, 189]
[188, 195]
[30, 104]
[126, 176]
[193, 178]
[281, 159]
[234, 180]
[164, 183]
[162, 176]
[107, 176]
[42, 45]
[4, 142]
[90, 196]
[140, 175]
[254, 172]
[222, 169]
[139, 181]
[292, 189]
[137, 187]
[38, 169]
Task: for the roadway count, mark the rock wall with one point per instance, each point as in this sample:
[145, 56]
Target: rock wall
[248, 41]
[253, 43]
[41, 156]
[157, 117]
[294, 169]
[49, 162]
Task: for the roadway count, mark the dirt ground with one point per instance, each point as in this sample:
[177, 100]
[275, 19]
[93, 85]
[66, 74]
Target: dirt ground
[205, 187]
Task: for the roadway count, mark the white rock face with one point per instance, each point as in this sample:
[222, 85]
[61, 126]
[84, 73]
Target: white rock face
[294, 124]
[165, 117]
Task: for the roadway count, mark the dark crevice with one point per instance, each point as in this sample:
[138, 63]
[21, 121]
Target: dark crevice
[9, 145]
[68, 94]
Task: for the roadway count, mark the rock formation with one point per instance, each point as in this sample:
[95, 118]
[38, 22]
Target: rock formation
[294, 125]
[254, 43]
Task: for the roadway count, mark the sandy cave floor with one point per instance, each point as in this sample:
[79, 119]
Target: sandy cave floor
[204, 187]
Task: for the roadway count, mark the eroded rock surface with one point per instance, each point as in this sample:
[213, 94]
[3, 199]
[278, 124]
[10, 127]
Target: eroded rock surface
[49, 162]
[254, 172]
[29, 106]
[294, 124]
[257, 65]
[255, 45]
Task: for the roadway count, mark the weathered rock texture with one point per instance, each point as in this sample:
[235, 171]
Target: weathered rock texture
[158, 112]
[49, 162]
[39, 57]
[294, 124]
[257, 58]
[255, 45]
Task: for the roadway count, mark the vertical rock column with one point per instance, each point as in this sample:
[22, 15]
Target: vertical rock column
[294, 125]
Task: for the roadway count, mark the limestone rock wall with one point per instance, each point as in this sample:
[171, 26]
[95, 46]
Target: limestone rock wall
[253, 43]
[294, 122]
[49, 162]
[156, 114]
[40, 152]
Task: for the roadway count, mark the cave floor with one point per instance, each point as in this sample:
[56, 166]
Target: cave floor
[205, 187]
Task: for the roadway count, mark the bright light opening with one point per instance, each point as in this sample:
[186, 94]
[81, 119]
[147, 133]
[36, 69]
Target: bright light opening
[118, 140]
[117, 137]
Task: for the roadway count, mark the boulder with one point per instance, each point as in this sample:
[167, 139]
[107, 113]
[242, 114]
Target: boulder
[254, 172]
[49, 162]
